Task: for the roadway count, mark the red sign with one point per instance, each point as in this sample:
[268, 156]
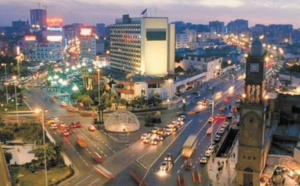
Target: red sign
[54, 22]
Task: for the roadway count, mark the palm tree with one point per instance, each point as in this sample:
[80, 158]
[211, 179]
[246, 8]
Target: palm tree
[85, 74]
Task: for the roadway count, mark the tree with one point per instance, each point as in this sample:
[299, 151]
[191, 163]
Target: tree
[154, 100]
[85, 99]
[85, 74]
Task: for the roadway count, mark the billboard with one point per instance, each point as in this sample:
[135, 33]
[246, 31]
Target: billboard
[54, 38]
[54, 22]
[30, 38]
[86, 32]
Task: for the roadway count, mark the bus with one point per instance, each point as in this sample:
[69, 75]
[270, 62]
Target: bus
[189, 146]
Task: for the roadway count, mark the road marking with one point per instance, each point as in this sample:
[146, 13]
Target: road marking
[94, 181]
[82, 180]
[178, 171]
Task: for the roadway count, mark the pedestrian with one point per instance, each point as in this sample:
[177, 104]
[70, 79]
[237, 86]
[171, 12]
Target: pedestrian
[213, 160]
[283, 181]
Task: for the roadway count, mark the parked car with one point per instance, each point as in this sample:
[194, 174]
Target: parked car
[203, 160]
[210, 119]
[208, 153]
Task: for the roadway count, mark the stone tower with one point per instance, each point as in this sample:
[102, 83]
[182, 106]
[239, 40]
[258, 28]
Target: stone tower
[253, 143]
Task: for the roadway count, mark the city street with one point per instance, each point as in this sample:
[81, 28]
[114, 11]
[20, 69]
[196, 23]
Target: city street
[144, 158]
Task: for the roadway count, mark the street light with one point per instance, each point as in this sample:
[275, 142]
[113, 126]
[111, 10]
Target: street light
[44, 142]
[6, 84]
[232, 79]
[16, 97]
[4, 65]
[212, 124]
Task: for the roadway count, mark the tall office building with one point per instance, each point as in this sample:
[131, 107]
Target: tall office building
[143, 45]
[38, 19]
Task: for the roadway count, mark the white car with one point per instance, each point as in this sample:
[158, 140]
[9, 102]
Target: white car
[203, 160]
[229, 115]
[164, 166]
[225, 124]
[238, 101]
[207, 153]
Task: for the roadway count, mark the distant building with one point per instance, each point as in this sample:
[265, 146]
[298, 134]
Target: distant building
[38, 19]
[237, 26]
[186, 40]
[87, 44]
[143, 45]
[216, 26]
[20, 27]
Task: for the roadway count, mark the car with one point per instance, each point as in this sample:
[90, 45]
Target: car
[98, 158]
[210, 119]
[168, 131]
[225, 124]
[154, 131]
[198, 95]
[169, 158]
[78, 124]
[62, 125]
[147, 140]
[211, 148]
[217, 138]
[209, 130]
[91, 128]
[188, 164]
[72, 125]
[221, 131]
[203, 160]
[190, 112]
[53, 126]
[144, 136]
[222, 108]
[164, 166]
[220, 116]
[210, 103]
[196, 92]
[154, 141]
[238, 101]
[65, 133]
[229, 115]
[208, 153]
[183, 117]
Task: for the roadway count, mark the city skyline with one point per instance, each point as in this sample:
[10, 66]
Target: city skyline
[197, 12]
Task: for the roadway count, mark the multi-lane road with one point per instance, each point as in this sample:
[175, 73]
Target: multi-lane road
[144, 158]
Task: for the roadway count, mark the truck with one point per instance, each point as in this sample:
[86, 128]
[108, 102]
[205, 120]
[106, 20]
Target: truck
[81, 141]
[189, 146]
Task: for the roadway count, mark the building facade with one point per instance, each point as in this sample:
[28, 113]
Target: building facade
[216, 26]
[144, 45]
[186, 39]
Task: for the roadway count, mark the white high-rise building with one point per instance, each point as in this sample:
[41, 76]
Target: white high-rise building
[144, 45]
[186, 39]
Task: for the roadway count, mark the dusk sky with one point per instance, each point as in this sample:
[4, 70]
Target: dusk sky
[90, 12]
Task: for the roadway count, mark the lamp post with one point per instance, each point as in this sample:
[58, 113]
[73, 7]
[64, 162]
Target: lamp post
[4, 65]
[232, 79]
[44, 142]
[16, 97]
[6, 84]
[212, 124]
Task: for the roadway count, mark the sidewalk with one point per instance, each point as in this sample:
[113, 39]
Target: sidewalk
[226, 175]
